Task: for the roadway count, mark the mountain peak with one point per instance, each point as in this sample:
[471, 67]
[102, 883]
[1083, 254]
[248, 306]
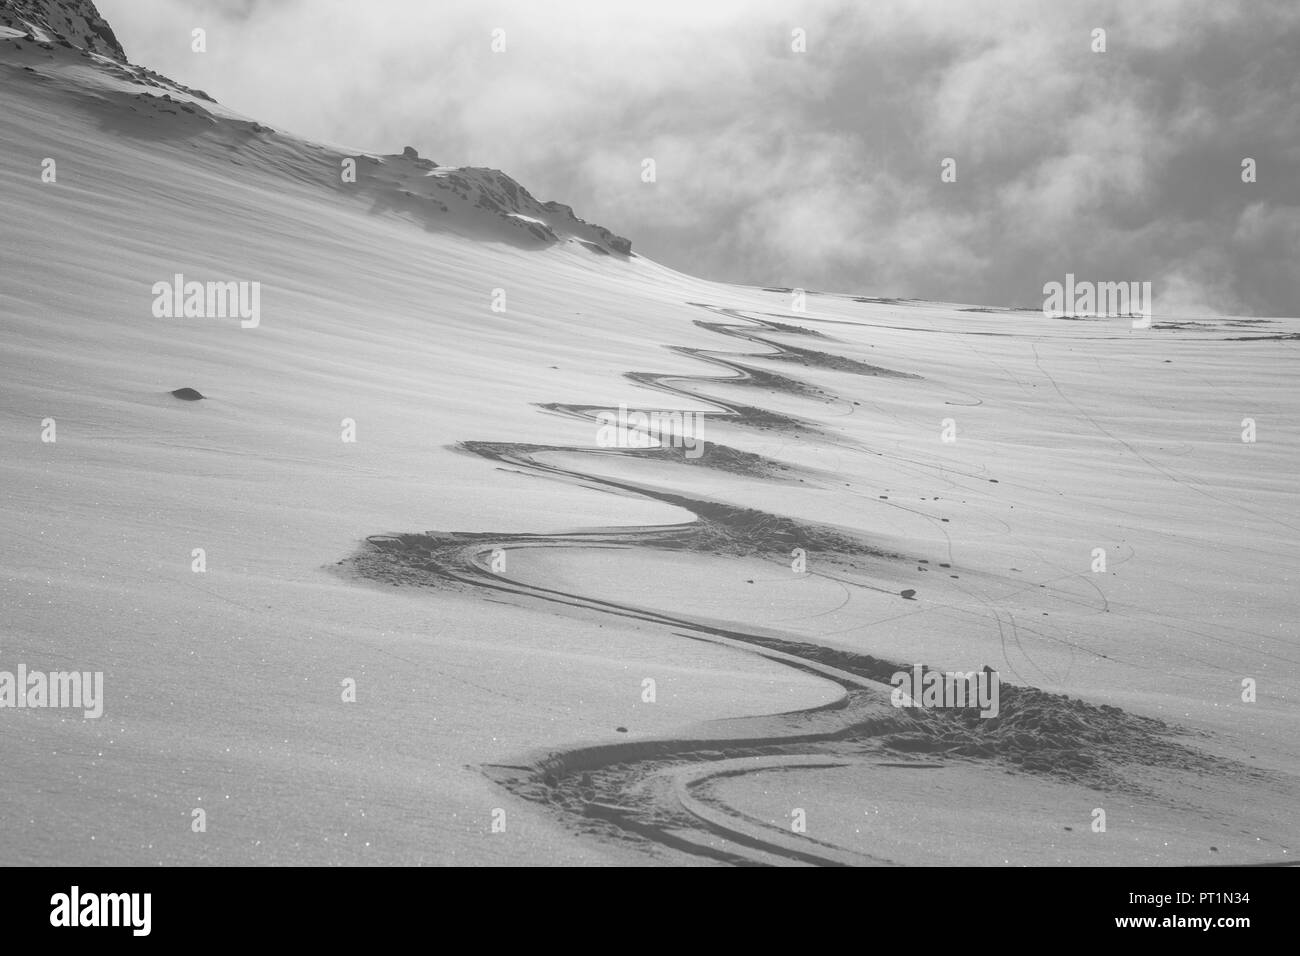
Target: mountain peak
[77, 23]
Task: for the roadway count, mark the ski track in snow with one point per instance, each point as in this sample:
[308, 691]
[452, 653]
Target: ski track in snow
[657, 792]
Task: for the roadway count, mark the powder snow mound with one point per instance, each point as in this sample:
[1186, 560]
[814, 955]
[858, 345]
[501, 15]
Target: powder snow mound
[76, 22]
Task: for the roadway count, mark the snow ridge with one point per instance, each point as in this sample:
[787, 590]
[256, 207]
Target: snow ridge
[481, 203]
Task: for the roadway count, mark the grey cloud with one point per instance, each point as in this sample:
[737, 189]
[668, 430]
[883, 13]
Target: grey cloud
[820, 169]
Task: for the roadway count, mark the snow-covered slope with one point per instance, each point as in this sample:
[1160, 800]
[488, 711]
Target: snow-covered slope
[236, 566]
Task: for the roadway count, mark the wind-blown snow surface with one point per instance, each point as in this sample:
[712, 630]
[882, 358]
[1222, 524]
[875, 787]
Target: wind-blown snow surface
[224, 689]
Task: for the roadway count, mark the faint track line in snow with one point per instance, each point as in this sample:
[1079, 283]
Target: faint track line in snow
[1188, 483]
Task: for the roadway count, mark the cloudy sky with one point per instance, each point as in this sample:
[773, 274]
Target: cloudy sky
[819, 169]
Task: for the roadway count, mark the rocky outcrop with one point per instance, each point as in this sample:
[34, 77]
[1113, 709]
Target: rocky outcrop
[74, 22]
